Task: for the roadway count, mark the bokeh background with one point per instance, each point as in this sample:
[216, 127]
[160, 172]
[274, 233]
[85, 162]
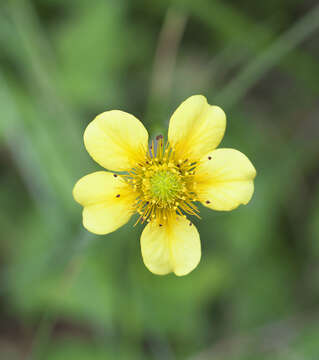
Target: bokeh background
[68, 294]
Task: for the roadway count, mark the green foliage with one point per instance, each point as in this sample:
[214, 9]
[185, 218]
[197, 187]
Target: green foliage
[73, 295]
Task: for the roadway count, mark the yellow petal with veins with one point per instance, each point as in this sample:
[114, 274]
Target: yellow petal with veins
[116, 140]
[196, 128]
[107, 201]
[174, 247]
[224, 179]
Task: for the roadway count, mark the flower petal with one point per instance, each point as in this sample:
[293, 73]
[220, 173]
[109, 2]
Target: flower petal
[224, 179]
[196, 128]
[116, 140]
[174, 247]
[107, 201]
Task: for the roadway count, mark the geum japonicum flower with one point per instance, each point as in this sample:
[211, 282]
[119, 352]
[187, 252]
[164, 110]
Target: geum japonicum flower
[161, 182]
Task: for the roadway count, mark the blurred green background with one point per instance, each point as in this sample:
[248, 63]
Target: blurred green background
[68, 294]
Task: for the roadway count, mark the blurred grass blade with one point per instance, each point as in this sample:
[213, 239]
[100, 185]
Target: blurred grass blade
[258, 67]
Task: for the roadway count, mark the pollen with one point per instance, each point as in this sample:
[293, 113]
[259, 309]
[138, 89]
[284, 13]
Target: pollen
[163, 185]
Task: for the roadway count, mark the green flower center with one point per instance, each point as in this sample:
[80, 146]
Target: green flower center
[165, 186]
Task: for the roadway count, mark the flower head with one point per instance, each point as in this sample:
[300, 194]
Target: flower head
[162, 182]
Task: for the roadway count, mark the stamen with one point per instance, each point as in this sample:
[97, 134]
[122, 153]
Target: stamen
[118, 195]
[164, 185]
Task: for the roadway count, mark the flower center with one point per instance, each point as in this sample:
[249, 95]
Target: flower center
[164, 185]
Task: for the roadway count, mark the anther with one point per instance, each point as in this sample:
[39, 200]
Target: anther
[207, 202]
[209, 157]
[115, 175]
[118, 195]
[160, 225]
[190, 224]
[159, 137]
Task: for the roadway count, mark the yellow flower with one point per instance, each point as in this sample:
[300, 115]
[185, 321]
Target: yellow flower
[162, 182]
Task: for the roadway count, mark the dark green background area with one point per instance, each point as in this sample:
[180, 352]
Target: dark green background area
[68, 294]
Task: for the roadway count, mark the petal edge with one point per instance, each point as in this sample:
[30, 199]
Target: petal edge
[116, 140]
[224, 179]
[171, 248]
[107, 201]
[196, 128]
